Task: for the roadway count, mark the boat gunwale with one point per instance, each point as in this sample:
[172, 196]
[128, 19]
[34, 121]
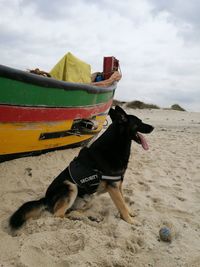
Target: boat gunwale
[45, 82]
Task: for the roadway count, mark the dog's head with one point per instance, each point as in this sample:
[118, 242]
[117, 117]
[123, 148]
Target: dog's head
[133, 125]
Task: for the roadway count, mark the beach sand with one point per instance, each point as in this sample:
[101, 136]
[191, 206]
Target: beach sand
[162, 186]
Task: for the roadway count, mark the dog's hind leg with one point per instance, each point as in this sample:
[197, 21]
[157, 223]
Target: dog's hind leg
[65, 201]
[116, 195]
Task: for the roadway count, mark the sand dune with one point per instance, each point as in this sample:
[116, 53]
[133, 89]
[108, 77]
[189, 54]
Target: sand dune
[162, 186]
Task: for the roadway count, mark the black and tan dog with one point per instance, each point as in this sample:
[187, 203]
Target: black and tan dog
[98, 168]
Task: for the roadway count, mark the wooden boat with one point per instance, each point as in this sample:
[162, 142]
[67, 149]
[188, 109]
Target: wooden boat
[39, 114]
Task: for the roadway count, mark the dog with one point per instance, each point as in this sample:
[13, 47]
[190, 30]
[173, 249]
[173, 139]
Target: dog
[100, 167]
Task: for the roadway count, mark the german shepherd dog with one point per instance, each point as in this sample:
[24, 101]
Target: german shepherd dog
[99, 167]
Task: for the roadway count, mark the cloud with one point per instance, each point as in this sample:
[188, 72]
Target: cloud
[145, 35]
[187, 11]
[184, 14]
[56, 10]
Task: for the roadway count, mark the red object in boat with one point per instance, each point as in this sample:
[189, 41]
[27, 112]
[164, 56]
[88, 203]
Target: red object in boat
[110, 64]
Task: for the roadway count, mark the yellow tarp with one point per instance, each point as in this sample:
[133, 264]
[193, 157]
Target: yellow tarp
[72, 69]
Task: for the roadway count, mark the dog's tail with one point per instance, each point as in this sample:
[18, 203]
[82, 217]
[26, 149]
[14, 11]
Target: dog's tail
[31, 209]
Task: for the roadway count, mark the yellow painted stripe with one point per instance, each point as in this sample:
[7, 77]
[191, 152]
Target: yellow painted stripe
[24, 137]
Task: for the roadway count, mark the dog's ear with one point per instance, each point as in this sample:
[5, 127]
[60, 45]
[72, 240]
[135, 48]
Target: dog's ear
[118, 114]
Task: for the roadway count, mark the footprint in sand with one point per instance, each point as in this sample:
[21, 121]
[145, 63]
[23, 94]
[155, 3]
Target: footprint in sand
[160, 207]
[181, 198]
[156, 200]
[34, 256]
[120, 238]
[43, 249]
[134, 244]
[144, 186]
[193, 263]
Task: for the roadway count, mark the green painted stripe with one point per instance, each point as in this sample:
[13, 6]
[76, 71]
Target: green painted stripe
[19, 93]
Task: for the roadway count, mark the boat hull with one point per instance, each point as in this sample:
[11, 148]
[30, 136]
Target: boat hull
[20, 139]
[39, 114]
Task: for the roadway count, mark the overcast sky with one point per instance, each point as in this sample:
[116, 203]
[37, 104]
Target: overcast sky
[156, 41]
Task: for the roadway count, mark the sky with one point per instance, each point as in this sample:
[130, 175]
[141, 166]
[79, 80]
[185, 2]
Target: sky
[156, 41]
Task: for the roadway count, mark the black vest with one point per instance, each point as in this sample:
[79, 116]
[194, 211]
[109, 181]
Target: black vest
[87, 178]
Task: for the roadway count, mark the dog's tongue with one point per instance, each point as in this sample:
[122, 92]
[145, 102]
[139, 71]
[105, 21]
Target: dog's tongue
[143, 141]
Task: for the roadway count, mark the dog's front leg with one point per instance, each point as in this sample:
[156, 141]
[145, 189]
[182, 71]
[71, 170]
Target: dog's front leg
[116, 195]
[131, 213]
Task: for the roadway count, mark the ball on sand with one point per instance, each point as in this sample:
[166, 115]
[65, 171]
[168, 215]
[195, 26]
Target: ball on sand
[165, 234]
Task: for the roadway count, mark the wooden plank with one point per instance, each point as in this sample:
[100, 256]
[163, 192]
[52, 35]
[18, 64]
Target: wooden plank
[39, 114]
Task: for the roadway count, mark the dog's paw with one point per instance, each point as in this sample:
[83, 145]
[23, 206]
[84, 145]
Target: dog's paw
[133, 213]
[128, 219]
[75, 215]
[132, 221]
[95, 219]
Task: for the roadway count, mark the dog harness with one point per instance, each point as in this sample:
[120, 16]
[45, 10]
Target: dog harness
[88, 179]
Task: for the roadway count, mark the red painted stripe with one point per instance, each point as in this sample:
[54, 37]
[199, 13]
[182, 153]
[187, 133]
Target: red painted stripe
[32, 114]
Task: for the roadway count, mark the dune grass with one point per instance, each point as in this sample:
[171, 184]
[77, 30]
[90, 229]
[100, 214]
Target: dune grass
[136, 104]
[177, 107]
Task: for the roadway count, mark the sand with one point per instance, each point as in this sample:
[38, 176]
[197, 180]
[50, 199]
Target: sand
[162, 186]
